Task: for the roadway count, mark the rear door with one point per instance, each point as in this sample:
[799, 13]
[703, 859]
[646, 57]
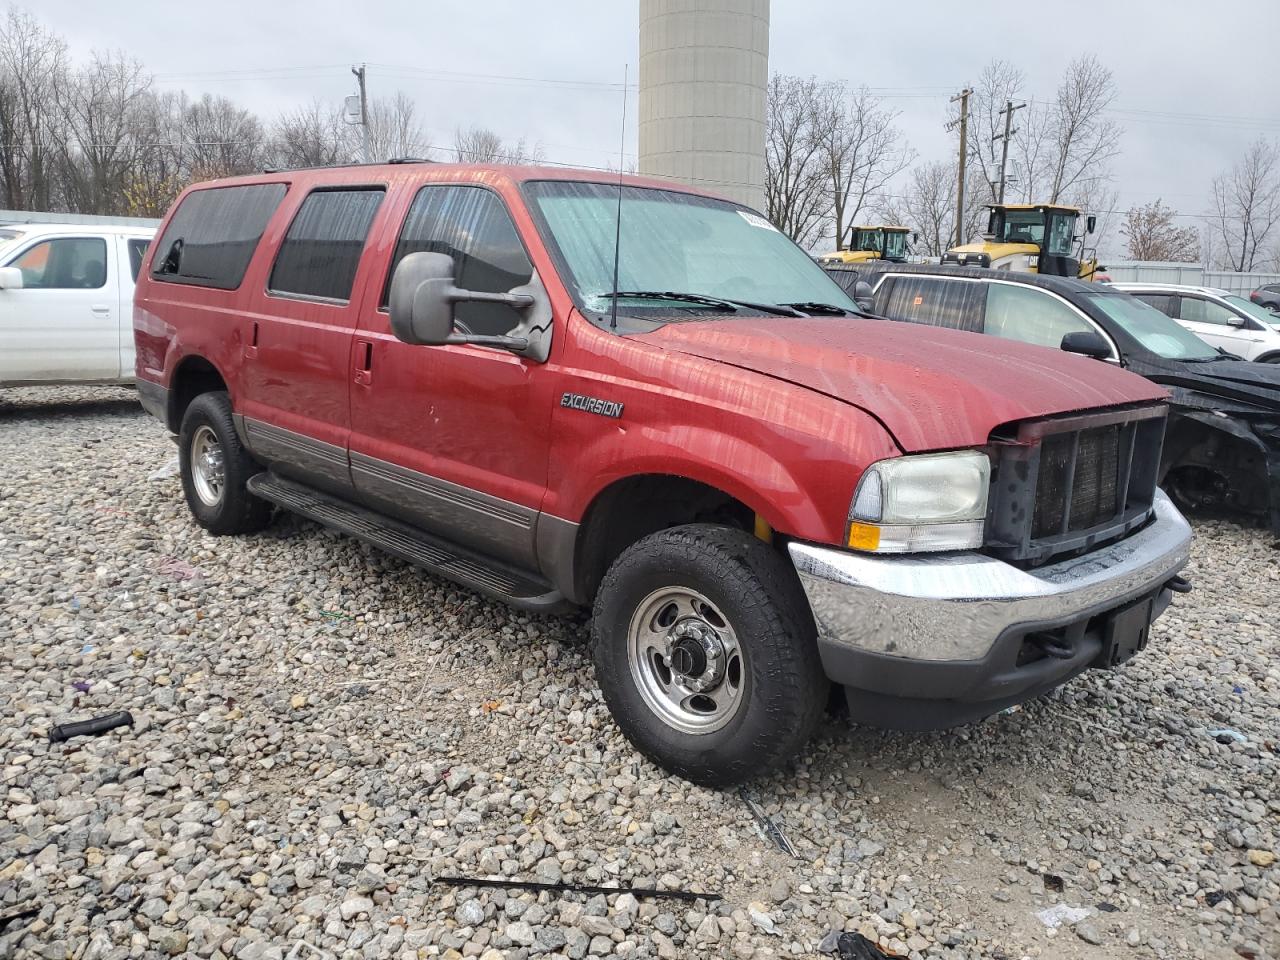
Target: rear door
[1215, 324]
[63, 322]
[297, 341]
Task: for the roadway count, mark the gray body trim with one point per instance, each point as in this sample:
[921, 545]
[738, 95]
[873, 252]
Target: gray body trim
[497, 528]
[489, 524]
[322, 464]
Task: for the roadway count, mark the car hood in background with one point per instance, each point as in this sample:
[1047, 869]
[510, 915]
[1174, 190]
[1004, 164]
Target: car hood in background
[932, 388]
[1252, 384]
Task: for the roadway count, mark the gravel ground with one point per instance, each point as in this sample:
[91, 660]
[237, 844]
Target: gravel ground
[321, 731]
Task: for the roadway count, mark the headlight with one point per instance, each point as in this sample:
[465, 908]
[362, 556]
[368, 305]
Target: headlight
[934, 501]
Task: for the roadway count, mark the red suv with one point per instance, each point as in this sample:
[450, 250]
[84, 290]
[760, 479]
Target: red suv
[565, 390]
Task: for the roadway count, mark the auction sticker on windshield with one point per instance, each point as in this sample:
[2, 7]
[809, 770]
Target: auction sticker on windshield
[756, 220]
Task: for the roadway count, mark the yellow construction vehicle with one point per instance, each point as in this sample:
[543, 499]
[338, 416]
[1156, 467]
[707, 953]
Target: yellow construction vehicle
[872, 243]
[1031, 238]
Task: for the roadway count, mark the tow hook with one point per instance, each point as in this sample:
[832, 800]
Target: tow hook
[1179, 584]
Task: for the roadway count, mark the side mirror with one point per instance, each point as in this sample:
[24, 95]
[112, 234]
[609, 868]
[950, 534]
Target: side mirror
[915, 238]
[864, 296]
[422, 302]
[10, 278]
[1087, 343]
[1090, 223]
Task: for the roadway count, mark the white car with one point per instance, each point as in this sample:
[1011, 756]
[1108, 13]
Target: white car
[66, 302]
[1218, 317]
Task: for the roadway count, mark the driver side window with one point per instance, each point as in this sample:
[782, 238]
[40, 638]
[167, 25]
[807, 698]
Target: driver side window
[472, 225]
[67, 263]
[1016, 312]
[1196, 310]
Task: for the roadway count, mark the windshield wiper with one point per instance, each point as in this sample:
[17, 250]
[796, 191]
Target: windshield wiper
[812, 306]
[781, 310]
[1221, 356]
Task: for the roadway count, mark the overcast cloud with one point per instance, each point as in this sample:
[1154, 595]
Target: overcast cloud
[1212, 65]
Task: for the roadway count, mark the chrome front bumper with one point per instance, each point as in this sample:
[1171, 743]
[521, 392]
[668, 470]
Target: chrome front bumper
[954, 607]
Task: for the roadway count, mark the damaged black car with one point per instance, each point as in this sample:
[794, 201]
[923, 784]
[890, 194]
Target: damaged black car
[1222, 446]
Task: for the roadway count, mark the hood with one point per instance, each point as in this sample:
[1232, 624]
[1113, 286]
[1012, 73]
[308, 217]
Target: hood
[1239, 381]
[934, 389]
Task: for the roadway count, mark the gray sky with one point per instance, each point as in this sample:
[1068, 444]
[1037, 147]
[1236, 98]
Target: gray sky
[1177, 65]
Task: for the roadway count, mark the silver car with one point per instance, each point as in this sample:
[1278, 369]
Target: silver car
[1218, 317]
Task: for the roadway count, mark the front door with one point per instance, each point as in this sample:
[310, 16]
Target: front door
[63, 323]
[454, 439]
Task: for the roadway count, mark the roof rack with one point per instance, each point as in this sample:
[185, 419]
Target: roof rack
[342, 166]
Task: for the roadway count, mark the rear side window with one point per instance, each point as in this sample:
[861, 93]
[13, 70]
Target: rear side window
[67, 263]
[213, 234]
[472, 225]
[137, 250]
[932, 301]
[1161, 301]
[322, 249]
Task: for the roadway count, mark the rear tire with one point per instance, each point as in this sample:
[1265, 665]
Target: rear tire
[705, 650]
[215, 468]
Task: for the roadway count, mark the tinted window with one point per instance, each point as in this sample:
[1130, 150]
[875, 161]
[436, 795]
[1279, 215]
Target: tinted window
[322, 249]
[212, 236]
[137, 250]
[1196, 310]
[1030, 315]
[929, 300]
[472, 226]
[67, 263]
[1161, 301]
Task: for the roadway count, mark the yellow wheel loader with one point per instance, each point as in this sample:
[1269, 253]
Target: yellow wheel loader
[1031, 238]
[872, 243]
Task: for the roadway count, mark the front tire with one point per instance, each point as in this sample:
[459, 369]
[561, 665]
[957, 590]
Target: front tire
[215, 468]
[704, 648]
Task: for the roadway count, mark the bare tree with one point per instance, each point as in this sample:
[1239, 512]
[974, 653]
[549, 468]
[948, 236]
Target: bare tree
[310, 136]
[394, 130]
[1246, 207]
[860, 149]
[33, 66]
[999, 83]
[795, 180]
[1150, 233]
[928, 206]
[101, 138]
[1084, 140]
[222, 139]
[482, 145]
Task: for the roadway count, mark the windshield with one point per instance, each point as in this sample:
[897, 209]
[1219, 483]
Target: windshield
[1023, 226]
[1152, 329]
[674, 242]
[1255, 310]
[866, 240]
[895, 246]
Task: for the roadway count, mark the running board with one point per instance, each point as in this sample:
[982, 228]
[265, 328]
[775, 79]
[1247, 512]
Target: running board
[407, 543]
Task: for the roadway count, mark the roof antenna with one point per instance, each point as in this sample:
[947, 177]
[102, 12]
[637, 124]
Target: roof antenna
[617, 235]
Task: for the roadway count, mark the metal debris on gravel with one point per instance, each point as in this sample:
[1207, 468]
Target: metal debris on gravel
[293, 775]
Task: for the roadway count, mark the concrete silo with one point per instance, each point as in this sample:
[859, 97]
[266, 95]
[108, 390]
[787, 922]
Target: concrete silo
[704, 70]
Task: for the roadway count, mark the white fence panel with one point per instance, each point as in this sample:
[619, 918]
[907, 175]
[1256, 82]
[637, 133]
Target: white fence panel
[1191, 274]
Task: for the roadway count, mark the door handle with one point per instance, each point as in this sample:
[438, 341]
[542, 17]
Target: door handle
[101, 309]
[251, 347]
[364, 362]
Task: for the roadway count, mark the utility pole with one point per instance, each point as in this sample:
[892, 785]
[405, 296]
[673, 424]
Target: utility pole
[364, 111]
[1007, 113]
[963, 97]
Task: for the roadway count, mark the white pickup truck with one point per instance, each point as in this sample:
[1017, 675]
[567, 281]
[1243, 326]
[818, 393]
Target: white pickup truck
[66, 302]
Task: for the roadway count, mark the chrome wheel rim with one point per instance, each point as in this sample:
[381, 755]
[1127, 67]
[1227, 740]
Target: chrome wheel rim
[208, 469]
[686, 660]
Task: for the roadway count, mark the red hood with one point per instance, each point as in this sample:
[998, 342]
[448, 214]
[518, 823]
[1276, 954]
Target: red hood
[933, 388]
